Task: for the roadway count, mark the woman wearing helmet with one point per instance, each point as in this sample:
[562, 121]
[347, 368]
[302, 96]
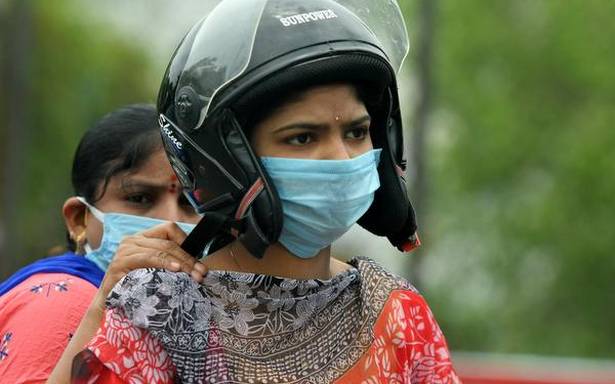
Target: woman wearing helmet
[284, 130]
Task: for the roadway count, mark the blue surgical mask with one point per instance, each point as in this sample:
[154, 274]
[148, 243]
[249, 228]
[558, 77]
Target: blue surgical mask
[322, 199]
[116, 226]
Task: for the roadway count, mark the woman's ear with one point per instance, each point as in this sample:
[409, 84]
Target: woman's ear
[74, 212]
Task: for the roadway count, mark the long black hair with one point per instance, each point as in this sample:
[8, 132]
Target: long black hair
[120, 141]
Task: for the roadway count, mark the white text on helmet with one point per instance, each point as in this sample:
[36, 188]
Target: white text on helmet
[164, 125]
[302, 18]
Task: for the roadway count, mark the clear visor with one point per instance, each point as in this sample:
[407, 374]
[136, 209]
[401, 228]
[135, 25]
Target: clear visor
[231, 37]
[385, 20]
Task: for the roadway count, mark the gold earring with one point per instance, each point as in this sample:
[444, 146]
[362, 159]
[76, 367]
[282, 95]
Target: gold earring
[80, 243]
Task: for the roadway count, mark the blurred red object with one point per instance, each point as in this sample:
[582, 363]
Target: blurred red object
[485, 368]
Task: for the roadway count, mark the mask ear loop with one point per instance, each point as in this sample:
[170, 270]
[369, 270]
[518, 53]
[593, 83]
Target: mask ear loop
[100, 216]
[83, 248]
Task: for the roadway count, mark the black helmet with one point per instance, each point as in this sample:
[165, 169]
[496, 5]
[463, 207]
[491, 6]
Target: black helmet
[242, 57]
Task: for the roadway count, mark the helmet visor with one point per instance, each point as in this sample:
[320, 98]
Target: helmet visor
[263, 30]
[385, 20]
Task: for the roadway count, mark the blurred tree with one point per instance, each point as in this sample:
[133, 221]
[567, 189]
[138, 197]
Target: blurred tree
[521, 171]
[16, 46]
[417, 152]
[72, 72]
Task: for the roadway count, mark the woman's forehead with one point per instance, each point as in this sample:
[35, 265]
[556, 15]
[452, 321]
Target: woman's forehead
[155, 170]
[321, 101]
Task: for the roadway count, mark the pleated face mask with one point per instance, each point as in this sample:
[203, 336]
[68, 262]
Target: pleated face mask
[322, 199]
[116, 226]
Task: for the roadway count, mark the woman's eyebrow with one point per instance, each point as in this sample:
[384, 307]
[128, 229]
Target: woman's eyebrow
[359, 121]
[313, 126]
[137, 183]
[310, 126]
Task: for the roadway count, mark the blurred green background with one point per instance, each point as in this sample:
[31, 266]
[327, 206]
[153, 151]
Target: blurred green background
[508, 109]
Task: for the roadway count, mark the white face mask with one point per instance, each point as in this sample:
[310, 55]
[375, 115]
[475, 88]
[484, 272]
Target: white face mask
[322, 199]
[116, 226]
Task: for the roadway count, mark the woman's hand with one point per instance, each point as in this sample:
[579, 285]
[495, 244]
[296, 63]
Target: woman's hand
[158, 247]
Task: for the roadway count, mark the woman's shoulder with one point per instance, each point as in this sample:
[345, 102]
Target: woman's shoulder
[374, 277]
[380, 288]
[149, 282]
[148, 297]
[58, 295]
[30, 347]
[68, 263]
[392, 301]
[403, 327]
[49, 288]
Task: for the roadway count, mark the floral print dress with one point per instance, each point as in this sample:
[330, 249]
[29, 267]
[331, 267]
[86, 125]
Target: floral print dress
[362, 326]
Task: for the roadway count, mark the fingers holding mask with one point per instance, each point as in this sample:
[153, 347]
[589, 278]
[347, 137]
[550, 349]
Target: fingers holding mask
[157, 247]
[166, 254]
[167, 239]
[167, 231]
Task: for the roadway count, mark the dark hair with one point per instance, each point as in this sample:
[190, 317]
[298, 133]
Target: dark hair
[120, 141]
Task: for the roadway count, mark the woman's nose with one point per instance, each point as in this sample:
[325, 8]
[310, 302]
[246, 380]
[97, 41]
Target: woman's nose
[334, 148]
[169, 209]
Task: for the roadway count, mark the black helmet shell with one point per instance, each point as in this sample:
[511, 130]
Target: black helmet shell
[220, 76]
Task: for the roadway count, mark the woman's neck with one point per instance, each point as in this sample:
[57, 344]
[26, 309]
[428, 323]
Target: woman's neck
[277, 261]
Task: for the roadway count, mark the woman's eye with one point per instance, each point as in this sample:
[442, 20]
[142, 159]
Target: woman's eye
[357, 133]
[300, 139]
[139, 198]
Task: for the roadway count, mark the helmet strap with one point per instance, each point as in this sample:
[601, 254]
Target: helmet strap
[247, 201]
[212, 223]
[210, 226]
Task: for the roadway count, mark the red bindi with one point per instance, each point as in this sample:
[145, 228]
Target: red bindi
[173, 187]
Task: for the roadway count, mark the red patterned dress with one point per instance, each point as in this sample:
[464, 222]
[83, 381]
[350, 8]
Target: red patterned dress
[362, 326]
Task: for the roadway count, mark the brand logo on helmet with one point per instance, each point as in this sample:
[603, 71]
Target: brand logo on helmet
[165, 126]
[302, 18]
